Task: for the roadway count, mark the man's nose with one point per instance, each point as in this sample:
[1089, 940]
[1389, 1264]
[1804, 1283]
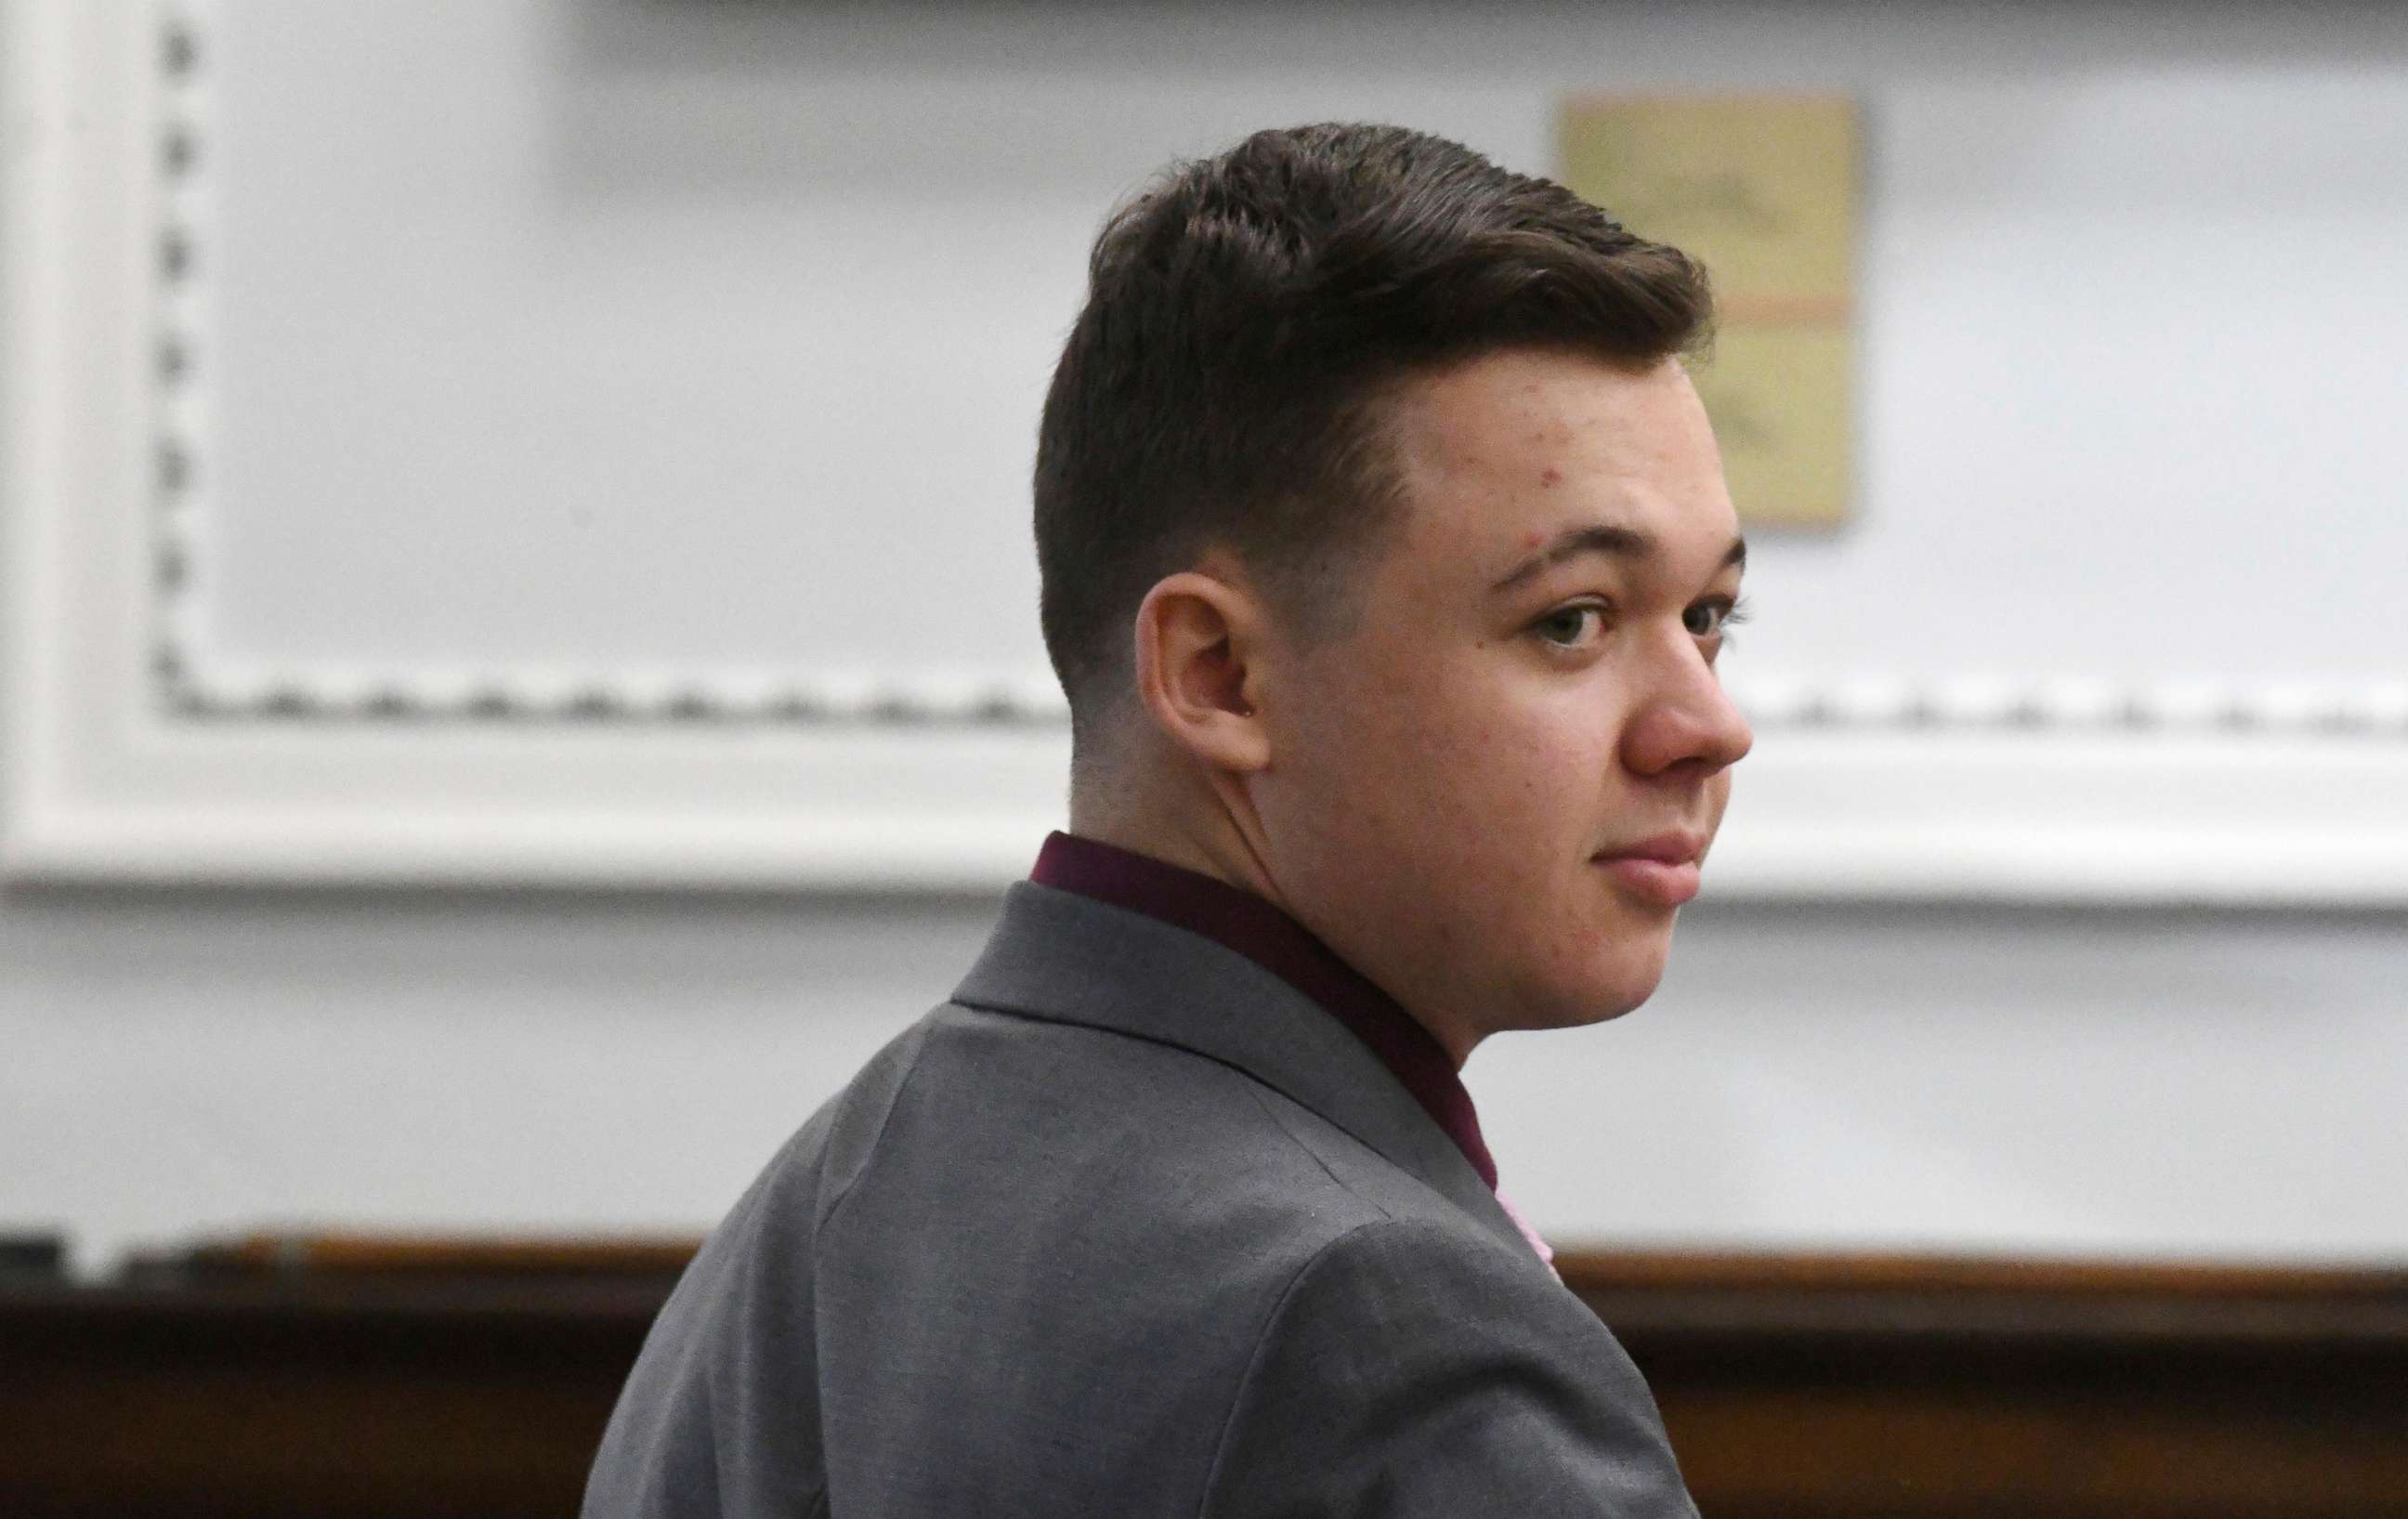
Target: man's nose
[1686, 719]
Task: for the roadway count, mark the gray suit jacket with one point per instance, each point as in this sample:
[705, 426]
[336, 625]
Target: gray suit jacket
[1129, 1227]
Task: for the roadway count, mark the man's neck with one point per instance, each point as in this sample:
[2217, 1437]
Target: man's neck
[1201, 836]
[1210, 842]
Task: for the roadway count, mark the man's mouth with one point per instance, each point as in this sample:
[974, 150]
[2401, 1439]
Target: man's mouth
[1664, 869]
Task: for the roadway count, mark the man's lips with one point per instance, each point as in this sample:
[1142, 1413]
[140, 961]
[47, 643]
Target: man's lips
[1663, 868]
[1675, 846]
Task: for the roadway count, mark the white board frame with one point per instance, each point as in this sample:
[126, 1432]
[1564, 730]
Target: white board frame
[131, 756]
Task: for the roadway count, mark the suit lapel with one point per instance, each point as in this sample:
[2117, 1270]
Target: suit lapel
[1069, 958]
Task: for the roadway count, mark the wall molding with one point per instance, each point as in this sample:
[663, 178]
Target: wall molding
[193, 682]
[135, 751]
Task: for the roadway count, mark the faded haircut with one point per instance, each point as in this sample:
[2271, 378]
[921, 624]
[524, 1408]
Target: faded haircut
[1246, 316]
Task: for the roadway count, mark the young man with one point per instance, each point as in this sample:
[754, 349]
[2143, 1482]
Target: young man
[1386, 557]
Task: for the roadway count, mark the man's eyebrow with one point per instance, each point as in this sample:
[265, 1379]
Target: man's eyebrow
[1601, 539]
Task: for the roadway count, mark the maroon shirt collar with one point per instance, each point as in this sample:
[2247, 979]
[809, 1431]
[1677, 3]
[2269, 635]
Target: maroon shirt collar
[1239, 920]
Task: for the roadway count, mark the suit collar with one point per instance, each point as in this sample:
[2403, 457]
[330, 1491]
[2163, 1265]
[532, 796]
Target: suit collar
[1258, 929]
[1070, 958]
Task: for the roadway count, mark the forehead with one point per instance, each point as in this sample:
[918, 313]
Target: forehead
[1505, 451]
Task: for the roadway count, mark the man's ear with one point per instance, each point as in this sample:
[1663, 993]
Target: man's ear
[1198, 643]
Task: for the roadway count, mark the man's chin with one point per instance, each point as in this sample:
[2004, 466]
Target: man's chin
[1618, 1006]
[1599, 999]
[1627, 984]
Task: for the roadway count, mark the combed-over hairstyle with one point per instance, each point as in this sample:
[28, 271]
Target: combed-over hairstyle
[1245, 316]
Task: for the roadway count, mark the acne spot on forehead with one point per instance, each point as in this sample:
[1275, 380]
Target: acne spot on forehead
[1532, 538]
[1550, 477]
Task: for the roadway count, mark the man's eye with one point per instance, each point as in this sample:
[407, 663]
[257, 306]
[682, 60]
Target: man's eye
[1570, 625]
[1710, 618]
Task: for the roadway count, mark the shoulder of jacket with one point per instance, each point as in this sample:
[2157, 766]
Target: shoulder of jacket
[1410, 1250]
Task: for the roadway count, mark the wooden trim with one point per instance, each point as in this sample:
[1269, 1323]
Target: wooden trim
[1612, 1271]
[352, 1254]
[402, 1377]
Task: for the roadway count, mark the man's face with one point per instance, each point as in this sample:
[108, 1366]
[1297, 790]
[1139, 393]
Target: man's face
[1529, 692]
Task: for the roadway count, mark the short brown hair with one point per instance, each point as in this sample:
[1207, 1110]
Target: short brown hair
[1243, 316]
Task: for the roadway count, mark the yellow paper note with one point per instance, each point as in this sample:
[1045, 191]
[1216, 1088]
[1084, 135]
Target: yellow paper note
[1778, 395]
[1764, 189]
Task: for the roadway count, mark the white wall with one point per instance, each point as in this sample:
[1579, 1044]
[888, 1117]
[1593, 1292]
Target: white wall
[2096, 1082]
[457, 254]
[559, 332]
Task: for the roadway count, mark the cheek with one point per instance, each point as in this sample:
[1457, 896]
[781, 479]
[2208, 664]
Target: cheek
[1483, 756]
[1521, 793]
[1460, 767]
[1548, 760]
